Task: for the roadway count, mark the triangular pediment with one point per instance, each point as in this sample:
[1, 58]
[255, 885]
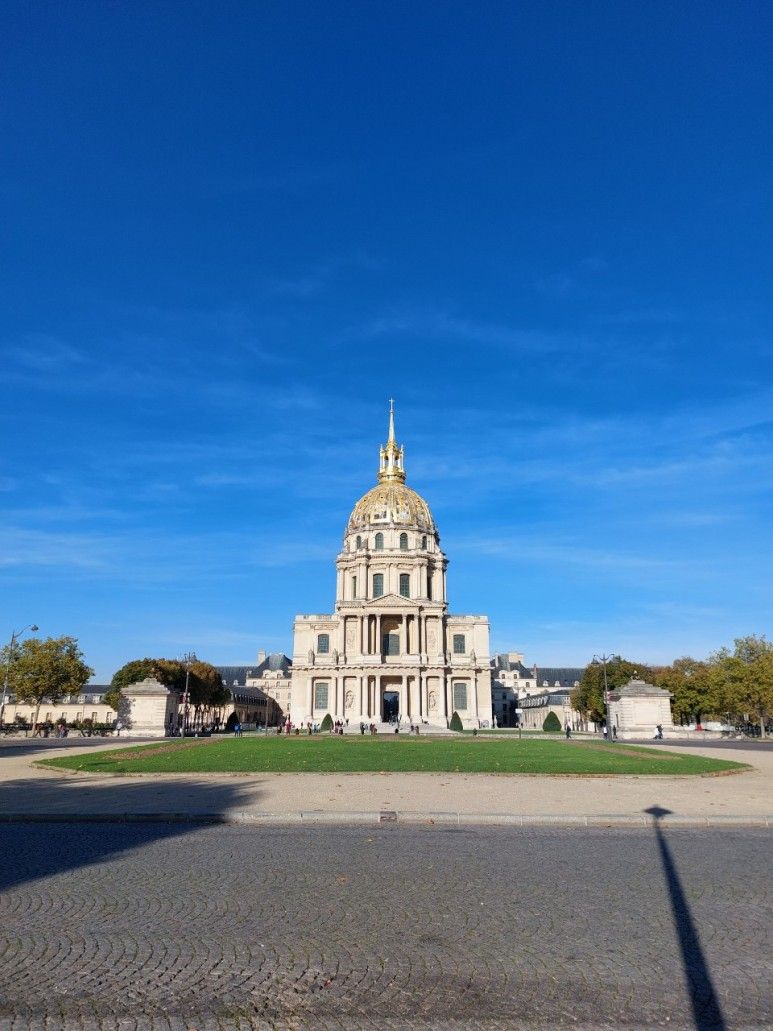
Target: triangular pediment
[393, 601]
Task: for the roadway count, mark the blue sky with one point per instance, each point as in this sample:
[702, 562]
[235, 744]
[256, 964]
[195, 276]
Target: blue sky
[231, 231]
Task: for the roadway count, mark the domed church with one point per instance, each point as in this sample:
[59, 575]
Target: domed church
[391, 650]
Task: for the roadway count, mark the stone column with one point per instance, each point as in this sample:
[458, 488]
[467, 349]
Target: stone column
[309, 700]
[379, 643]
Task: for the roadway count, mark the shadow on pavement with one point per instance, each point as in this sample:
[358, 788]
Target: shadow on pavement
[703, 997]
[133, 814]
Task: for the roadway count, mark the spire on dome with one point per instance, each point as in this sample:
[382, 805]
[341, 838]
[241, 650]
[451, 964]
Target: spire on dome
[391, 468]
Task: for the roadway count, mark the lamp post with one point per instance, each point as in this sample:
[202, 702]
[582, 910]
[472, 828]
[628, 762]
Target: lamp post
[185, 698]
[604, 659]
[11, 646]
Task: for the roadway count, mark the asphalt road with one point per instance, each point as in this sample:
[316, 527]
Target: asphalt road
[181, 927]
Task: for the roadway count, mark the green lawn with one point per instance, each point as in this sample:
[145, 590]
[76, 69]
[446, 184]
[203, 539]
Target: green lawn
[326, 754]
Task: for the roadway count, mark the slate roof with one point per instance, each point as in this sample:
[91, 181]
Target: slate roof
[274, 661]
[238, 674]
[501, 661]
[234, 674]
[565, 675]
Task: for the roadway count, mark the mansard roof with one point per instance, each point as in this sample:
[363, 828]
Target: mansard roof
[237, 675]
[565, 676]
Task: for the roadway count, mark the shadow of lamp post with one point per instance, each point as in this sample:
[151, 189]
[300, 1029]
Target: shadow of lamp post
[707, 1012]
[11, 648]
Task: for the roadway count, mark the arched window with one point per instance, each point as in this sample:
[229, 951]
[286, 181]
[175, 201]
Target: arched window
[424, 542]
[403, 542]
[378, 585]
[323, 643]
[379, 542]
[405, 585]
[359, 543]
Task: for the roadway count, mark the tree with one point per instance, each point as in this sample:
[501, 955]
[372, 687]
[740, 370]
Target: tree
[692, 686]
[45, 670]
[588, 698]
[744, 679]
[551, 723]
[169, 672]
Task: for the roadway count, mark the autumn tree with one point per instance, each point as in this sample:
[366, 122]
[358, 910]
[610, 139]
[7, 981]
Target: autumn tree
[588, 697]
[744, 679]
[205, 685]
[693, 688]
[46, 670]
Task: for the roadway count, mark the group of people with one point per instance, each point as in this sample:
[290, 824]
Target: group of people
[371, 728]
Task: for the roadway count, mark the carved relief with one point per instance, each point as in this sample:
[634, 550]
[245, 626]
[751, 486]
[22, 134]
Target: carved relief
[432, 701]
[351, 631]
[431, 638]
[349, 699]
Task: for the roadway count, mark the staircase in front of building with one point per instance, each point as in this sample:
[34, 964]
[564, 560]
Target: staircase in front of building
[425, 729]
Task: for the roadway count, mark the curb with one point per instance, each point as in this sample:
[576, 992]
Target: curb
[441, 818]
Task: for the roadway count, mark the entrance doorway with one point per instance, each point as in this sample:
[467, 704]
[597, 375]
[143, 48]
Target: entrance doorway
[391, 706]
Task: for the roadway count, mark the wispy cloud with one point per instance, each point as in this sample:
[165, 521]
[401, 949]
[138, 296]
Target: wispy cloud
[39, 352]
[443, 325]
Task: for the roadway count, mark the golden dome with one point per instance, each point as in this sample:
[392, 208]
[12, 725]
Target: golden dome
[391, 502]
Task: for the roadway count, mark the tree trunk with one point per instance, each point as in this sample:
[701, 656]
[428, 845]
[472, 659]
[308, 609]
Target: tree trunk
[37, 715]
[762, 725]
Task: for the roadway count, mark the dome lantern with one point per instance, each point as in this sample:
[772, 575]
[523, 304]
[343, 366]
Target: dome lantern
[391, 501]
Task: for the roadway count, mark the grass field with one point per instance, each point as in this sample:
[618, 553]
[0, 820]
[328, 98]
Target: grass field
[325, 754]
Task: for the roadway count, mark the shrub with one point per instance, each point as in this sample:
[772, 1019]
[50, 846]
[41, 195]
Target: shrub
[552, 723]
[327, 722]
[456, 722]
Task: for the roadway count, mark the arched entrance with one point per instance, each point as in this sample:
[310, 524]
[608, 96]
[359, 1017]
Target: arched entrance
[390, 706]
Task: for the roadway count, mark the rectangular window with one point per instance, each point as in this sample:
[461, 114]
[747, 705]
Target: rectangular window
[405, 585]
[320, 696]
[354, 587]
[391, 644]
[459, 648]
[378, 585]
[460, 695]
[323, 643]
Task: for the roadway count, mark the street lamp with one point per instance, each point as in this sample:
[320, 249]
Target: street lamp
[185, 697]
[604, 659]
[11, 646]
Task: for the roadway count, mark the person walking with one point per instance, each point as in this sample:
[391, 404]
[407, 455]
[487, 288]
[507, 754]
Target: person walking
[568, 731]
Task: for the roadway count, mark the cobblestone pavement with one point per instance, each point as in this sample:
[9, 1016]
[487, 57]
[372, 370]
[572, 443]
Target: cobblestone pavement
[172, 927]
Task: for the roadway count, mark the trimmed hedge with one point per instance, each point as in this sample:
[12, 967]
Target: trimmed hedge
[456, 722]
[552, 723]
[327, 722]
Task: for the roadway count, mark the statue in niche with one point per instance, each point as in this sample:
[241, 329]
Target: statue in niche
[349, 702]
[335, 656]
[431, 639]
[350, 634]
[311, 656]
[432, 700]
[472, 656]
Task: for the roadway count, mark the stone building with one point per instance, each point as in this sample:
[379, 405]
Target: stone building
[638, 708]
[391, 649]
[510, 679]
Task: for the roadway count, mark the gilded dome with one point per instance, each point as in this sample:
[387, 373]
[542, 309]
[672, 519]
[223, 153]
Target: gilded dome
[391, 502]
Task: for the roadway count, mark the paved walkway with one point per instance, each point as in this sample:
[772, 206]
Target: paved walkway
[31, 792]
[183, 927]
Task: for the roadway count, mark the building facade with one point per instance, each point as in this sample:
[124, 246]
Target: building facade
[391, 649]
